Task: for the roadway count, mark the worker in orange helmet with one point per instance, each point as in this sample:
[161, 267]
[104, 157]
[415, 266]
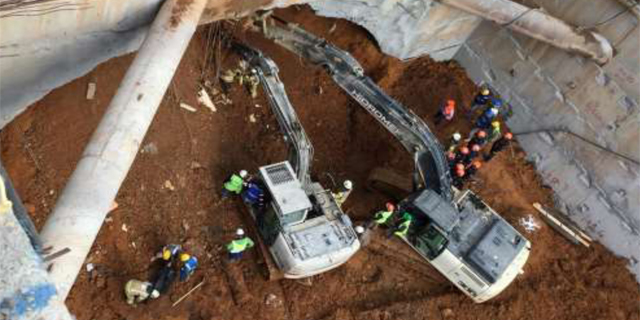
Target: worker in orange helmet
[472, 169]
[480, 138]
[446, 112]
[462, 153]
[499, 145]
[458, 177]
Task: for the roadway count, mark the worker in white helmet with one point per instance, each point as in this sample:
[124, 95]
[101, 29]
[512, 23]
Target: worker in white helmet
[364, 235]
[239, 245]
[137, 291]
[341, 196]
[234, 183]
[454, 141]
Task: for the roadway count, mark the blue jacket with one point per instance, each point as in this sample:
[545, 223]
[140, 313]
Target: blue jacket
[188, 268]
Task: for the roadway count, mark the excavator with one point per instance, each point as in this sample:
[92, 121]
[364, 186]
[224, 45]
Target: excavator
[302, 226]
[455, 231]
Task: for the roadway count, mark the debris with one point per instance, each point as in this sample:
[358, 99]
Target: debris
[90, 267]
[133, 244]
[114, 206]
[31, 209]
[185, 225]
[124, 228]
[258, 106]
[56, 255]
[169, 185]
[252, 118]
[204, 99]
[447, 313]
[563, 226]
[91, 91]
[188, 293]
[51, 192]
[307, 282]
[150, 148]
[272, 300]
[108, 219]
[195, 165]
[187, 107]
[333, 28]
[529, 223]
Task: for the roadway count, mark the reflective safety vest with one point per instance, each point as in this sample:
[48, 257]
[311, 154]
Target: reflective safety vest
[237, 246]
[382, 216]
[403, 229]
[234, 184]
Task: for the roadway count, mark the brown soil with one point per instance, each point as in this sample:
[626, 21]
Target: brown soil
[196, 151]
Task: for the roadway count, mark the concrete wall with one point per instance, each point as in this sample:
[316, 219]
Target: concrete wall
[550, 89]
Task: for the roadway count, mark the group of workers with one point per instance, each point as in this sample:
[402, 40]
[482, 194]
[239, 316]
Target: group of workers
[175, 261]
[464, 155]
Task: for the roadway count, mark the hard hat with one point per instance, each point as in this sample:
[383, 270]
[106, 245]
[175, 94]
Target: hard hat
[495, 124]
[508, 135]
[485, 92]
[254, 71]
[477, 164]
[348, 184]
[451, 102]
[494, 111]
[459, 166]
[184, 257]
[390, 206]
[359, 229]
[155, 294]
[451, 155]
[460, 173]
[481, 134]
[496, 103]
[475, 148]
[243, 173]
[464, 150]
[457, 136]
[239, 232]
[166, 254]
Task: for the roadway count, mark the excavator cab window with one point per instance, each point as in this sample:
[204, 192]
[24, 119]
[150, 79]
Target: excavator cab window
[430, 241]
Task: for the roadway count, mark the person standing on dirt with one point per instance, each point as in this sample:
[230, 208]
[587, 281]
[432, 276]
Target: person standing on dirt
[189, 265]
[473, 153]
[137, 291]
[237, 247]
[481, 100]
[499, 145]
[234, 184]
[382, 217]
[458, 176]
[471, 170]
[254, 195]
[342, 195]
[402, 229]
[480, 138]
[454, 141]
[445, 112]
[495, 132]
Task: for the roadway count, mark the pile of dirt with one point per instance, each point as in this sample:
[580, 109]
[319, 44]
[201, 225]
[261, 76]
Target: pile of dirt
[171, 195]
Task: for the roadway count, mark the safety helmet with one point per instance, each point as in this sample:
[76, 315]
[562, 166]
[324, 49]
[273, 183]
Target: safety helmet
[477, 164]
[451, 155]
[508, 135]
[494, 111]
[243, 173]
[359, 229]
[348, 184]
[495, 124]
[496, 102]
[184, 257]
[481, 134]
[475, 148]
[459, 166]
[390, 206]
[451, 102]
[166, 254]
[464, 150]
[239, 232]
[155, 294]
[485, 92]
[254, 71]
[457, 136]
[460, 173]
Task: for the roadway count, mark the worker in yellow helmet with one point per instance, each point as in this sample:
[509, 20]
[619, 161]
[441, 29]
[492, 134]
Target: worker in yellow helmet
[495, 132]
[189, 264]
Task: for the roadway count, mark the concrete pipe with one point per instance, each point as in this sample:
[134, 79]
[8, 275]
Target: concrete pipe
[539, 25]
[87, 197]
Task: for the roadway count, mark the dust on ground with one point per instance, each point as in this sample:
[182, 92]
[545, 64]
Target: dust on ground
[196, 151]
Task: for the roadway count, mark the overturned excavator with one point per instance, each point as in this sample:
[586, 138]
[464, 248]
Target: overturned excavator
[455, 231]
[302, 226]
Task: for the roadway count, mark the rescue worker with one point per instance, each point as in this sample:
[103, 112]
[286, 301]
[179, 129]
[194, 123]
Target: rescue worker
[253, 81]
[481, 99]
[382, 217]
[461, 154]
[253, 194]
[169, 252]
[137, 291]
[446, 112]
[364, 235]
[458, 177]
[480, 138]
[485, 119]
[239, 245]
[189, 265]
[472, 169]
[403, 227]
[234, 183]
[475, 150]
[451, 158]
[454, 141]
[455, 169]
[342, 195]
[499, 145]
[495, 131]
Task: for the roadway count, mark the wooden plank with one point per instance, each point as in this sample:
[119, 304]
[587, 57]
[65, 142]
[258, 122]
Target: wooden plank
[570, 232]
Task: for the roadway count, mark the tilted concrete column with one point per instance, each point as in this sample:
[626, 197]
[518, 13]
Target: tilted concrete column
[87, 197]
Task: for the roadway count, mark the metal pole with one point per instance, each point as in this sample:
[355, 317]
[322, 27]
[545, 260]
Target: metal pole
[87, 197]
[539, 25]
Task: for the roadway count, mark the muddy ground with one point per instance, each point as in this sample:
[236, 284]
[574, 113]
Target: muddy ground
[171, 195]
